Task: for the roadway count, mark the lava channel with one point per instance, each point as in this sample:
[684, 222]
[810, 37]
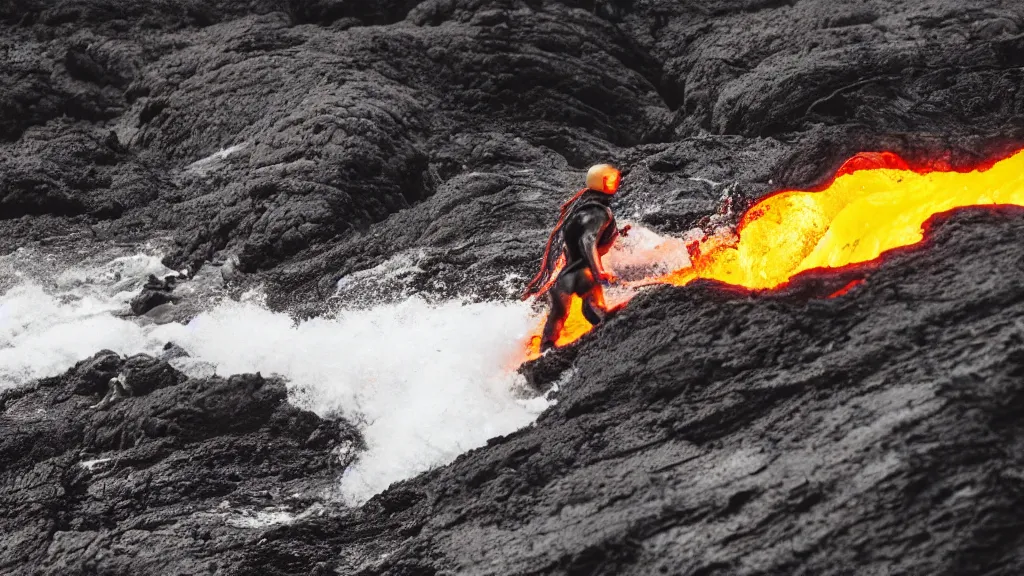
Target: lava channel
[875, 203]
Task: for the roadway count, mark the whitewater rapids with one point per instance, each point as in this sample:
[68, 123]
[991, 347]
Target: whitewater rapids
[423, 381]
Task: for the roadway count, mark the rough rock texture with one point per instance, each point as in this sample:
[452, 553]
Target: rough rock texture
[711, 431]
[310, 144]
[155, 292]
[167, 478]
[282, 132]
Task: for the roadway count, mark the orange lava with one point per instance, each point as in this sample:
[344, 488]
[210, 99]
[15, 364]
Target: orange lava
[845, 289]
[875, 203]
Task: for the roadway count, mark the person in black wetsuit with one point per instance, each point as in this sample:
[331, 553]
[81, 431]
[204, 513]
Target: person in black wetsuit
[586, 230]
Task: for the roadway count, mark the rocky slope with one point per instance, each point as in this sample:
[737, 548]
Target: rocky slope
[125, 466]
[712, 431]
[704, 431]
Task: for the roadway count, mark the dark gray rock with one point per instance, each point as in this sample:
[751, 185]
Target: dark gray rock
[92, 376]
[702, 431]
[722, 431]
[143, 374]
[173, 471]
[172, 351]
[154, 293]
[149, 299]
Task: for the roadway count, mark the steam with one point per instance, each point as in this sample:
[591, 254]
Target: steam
[643, 253]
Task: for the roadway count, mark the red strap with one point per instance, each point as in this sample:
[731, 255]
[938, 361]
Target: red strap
[531, 287]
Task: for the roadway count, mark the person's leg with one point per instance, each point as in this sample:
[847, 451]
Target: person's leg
[594, 307]
[558, 312]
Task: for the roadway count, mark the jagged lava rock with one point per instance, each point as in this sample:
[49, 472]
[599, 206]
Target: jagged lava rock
[170, 472]
[712, 431]
[702, 431]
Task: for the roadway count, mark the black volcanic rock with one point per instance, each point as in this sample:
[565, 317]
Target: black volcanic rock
[172, 470]
[712, 431]
[331, 116]
[318, 145]
[154, 293]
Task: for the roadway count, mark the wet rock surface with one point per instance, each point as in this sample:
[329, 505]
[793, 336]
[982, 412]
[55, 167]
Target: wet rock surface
[711, 431]
[125, 466]
[298, 144]
[155, 292]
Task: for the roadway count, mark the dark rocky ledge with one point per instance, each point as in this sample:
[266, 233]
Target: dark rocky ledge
[704, 431]
[124, 466]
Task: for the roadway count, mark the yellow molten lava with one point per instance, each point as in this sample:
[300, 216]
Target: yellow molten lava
[876, 204]
[857, 218]
[575, 327]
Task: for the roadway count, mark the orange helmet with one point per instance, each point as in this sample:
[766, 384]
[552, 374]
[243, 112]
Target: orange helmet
[603, 178]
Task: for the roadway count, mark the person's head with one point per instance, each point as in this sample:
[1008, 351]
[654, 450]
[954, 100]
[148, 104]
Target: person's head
[603, 178]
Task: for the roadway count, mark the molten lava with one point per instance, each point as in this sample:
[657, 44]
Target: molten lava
[875, 203]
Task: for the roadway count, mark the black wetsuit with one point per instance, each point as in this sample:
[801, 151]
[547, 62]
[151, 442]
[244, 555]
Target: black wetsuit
[588, 232]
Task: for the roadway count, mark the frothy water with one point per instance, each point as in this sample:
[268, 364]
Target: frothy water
[423, 381]
[42, 336]
[52, 316]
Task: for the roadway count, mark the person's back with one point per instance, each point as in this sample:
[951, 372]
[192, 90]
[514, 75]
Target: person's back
[591, 216]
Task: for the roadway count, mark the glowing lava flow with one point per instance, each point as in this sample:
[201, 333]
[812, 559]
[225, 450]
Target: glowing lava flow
[875, 203]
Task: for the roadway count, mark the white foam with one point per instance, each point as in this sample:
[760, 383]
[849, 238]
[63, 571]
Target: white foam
[119, 278]
[41, 336]
[424, 382]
